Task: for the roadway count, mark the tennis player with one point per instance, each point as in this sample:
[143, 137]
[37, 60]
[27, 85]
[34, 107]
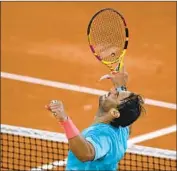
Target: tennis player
[102, 145]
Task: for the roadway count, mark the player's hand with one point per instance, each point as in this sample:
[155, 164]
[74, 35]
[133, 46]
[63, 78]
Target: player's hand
[118, 78]
[57, 109]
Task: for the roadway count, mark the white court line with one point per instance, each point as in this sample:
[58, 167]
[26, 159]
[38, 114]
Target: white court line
[76, 88]
[151, 135]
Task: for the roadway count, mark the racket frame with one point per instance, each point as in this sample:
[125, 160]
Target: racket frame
[120, 60]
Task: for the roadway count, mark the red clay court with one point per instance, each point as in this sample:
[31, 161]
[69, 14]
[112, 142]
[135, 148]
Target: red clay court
[47, 41]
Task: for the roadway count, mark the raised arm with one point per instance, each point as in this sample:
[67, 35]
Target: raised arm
[93, 147]
[82, 149]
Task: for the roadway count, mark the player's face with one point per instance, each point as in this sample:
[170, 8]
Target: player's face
[112, 99]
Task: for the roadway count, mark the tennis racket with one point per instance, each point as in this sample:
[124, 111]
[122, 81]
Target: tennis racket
[108, 38]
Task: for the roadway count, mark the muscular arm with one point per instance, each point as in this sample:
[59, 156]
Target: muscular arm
[81, 148]
[93, 147]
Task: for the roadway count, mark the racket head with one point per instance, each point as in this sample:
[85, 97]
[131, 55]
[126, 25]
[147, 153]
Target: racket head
[108, 36]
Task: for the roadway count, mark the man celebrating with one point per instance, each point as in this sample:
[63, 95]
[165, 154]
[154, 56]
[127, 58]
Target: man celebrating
[102, 145]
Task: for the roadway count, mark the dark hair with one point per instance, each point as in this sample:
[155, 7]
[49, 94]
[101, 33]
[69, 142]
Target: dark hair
[130, 109]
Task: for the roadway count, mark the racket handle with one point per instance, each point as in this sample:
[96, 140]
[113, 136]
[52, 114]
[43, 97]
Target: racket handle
[117, 68]
[120, 66]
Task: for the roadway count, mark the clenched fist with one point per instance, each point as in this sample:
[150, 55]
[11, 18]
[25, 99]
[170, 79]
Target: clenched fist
[57, 109]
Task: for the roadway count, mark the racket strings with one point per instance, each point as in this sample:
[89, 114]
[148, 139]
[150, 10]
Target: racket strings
[108, 35]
